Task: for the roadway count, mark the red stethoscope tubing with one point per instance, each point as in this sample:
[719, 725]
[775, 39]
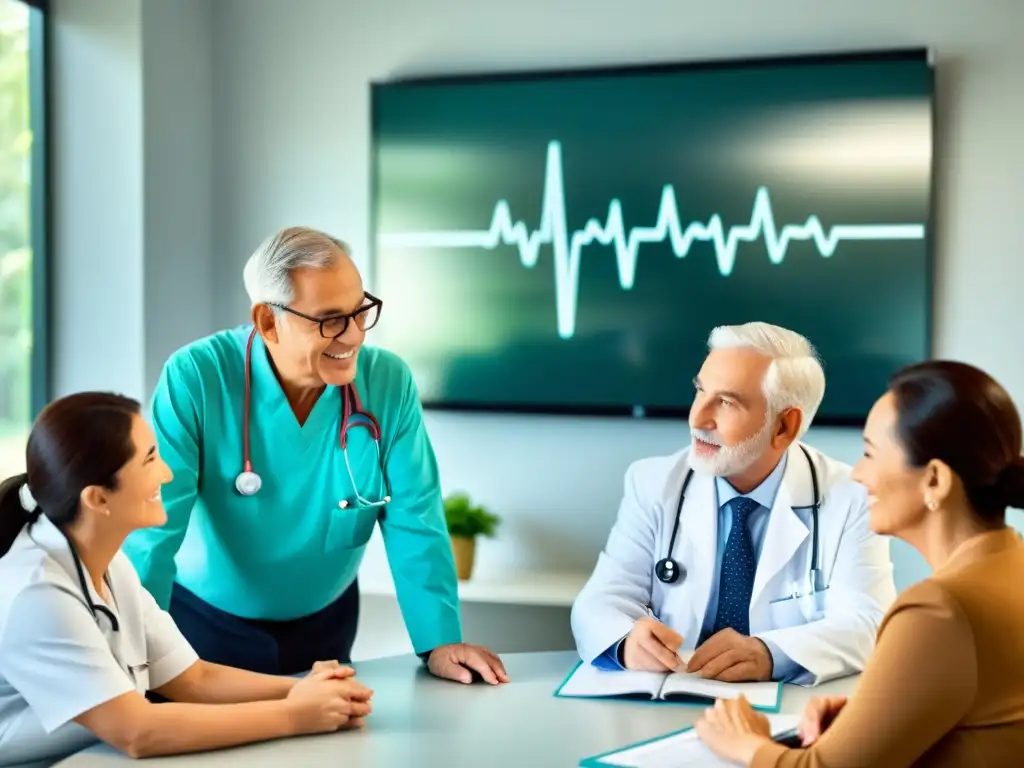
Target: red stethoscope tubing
[246, 461]
[352, 406]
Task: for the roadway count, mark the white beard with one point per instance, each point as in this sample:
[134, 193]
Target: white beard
[733, 459]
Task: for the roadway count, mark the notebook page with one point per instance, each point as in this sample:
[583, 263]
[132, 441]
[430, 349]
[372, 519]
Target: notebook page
[588, 680]
[758, 694]
[682, 750]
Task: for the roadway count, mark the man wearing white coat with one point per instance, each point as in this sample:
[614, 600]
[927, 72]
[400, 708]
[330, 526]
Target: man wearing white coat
[736, 588]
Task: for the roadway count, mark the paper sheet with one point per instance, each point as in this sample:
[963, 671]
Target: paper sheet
[683, 750]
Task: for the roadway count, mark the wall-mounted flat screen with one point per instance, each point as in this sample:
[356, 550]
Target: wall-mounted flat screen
[564, 242]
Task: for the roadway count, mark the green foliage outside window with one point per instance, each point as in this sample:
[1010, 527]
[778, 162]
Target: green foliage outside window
[15, 223]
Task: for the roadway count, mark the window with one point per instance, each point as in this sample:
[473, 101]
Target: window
[23, 372]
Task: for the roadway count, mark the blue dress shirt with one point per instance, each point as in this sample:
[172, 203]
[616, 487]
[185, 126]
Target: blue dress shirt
[784, 668]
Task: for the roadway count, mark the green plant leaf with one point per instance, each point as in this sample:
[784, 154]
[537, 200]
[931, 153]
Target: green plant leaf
[466, 519]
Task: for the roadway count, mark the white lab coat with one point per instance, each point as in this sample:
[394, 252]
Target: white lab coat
[830, 634]
[58, 659]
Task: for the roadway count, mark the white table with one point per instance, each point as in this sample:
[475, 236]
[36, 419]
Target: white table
[419, 720]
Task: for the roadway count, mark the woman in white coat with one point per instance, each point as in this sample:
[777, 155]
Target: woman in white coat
[793, 593]
[82, 643]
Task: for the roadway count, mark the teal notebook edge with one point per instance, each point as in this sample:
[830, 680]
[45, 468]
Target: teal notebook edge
[600, 761]
[772, 710]
[561, 685]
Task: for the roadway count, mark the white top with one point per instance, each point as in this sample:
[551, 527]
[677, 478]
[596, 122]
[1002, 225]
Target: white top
[59, 660]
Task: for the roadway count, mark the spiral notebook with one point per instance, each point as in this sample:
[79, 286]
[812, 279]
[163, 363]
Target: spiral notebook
[588, 681]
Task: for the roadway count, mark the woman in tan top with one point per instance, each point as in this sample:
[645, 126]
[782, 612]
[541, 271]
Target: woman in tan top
[945, 685]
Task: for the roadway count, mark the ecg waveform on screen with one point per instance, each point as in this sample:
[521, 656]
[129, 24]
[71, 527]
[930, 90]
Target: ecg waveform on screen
[568, 246]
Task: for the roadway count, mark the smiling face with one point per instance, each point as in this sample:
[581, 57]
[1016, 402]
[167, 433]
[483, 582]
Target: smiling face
[136, 502]
[302, 356]
[896, 490]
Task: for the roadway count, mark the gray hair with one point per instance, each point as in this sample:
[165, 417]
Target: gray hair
[795, 377]
[268, 272]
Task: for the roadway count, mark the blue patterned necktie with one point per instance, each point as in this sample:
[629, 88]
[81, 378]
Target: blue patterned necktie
[736, 580]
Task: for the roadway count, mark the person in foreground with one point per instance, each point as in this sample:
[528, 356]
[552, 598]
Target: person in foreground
[945, 686]
[82, 643]
[289, 442]
[726, 567]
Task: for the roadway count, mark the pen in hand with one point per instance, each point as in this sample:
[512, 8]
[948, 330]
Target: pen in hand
[652, 646]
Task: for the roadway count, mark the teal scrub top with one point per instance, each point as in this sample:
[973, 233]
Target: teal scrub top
[291, 550]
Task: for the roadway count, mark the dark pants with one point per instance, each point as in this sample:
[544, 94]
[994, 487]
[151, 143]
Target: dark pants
[271, 647]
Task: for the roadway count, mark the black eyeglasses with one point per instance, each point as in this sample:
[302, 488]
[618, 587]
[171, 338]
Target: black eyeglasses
[333, 326]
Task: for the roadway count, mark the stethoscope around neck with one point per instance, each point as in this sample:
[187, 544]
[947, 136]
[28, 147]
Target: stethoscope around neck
[248, 482]
[669, 571]
[95, 609]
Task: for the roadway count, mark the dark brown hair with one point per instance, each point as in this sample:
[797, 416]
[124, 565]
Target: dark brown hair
[77, 441]
[960, 415]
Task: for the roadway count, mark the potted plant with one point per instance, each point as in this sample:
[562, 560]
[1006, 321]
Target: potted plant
[466, 521]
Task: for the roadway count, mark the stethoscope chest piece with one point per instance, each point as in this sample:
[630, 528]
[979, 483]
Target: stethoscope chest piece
[248, 483]
[668, 571]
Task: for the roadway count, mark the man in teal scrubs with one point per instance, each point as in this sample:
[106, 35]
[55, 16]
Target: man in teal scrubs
[267, 515]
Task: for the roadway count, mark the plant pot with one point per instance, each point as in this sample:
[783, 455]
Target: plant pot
[464, 550]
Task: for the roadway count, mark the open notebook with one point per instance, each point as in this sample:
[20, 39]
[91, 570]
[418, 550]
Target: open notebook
[679, 749]
[587, 681]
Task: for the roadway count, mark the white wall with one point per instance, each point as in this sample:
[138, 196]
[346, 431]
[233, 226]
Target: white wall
[291, 126]
[97, 147]
[132, 111]
[177, 177]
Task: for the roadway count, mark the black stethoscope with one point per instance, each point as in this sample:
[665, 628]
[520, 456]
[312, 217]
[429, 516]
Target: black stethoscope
[249, 483]
[96, 610]
[28, 503]
[132, 669]
[669, 571]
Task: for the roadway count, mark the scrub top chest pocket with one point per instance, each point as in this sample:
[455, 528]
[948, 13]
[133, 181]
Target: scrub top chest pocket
[359, 493]
[351, 527]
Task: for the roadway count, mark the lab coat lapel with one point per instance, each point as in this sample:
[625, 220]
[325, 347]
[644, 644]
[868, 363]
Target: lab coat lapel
[786, 531]
[698, 529]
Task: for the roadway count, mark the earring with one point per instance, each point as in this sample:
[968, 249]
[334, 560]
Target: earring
[930, 503]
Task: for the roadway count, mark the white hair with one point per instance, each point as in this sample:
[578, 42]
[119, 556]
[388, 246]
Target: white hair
[268, 272]
[795, 377]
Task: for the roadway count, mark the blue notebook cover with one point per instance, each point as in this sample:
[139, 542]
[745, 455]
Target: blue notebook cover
[688, 699]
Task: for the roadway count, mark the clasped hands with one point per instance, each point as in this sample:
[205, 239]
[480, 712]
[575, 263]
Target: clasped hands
[329, 698]
[727, 655]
